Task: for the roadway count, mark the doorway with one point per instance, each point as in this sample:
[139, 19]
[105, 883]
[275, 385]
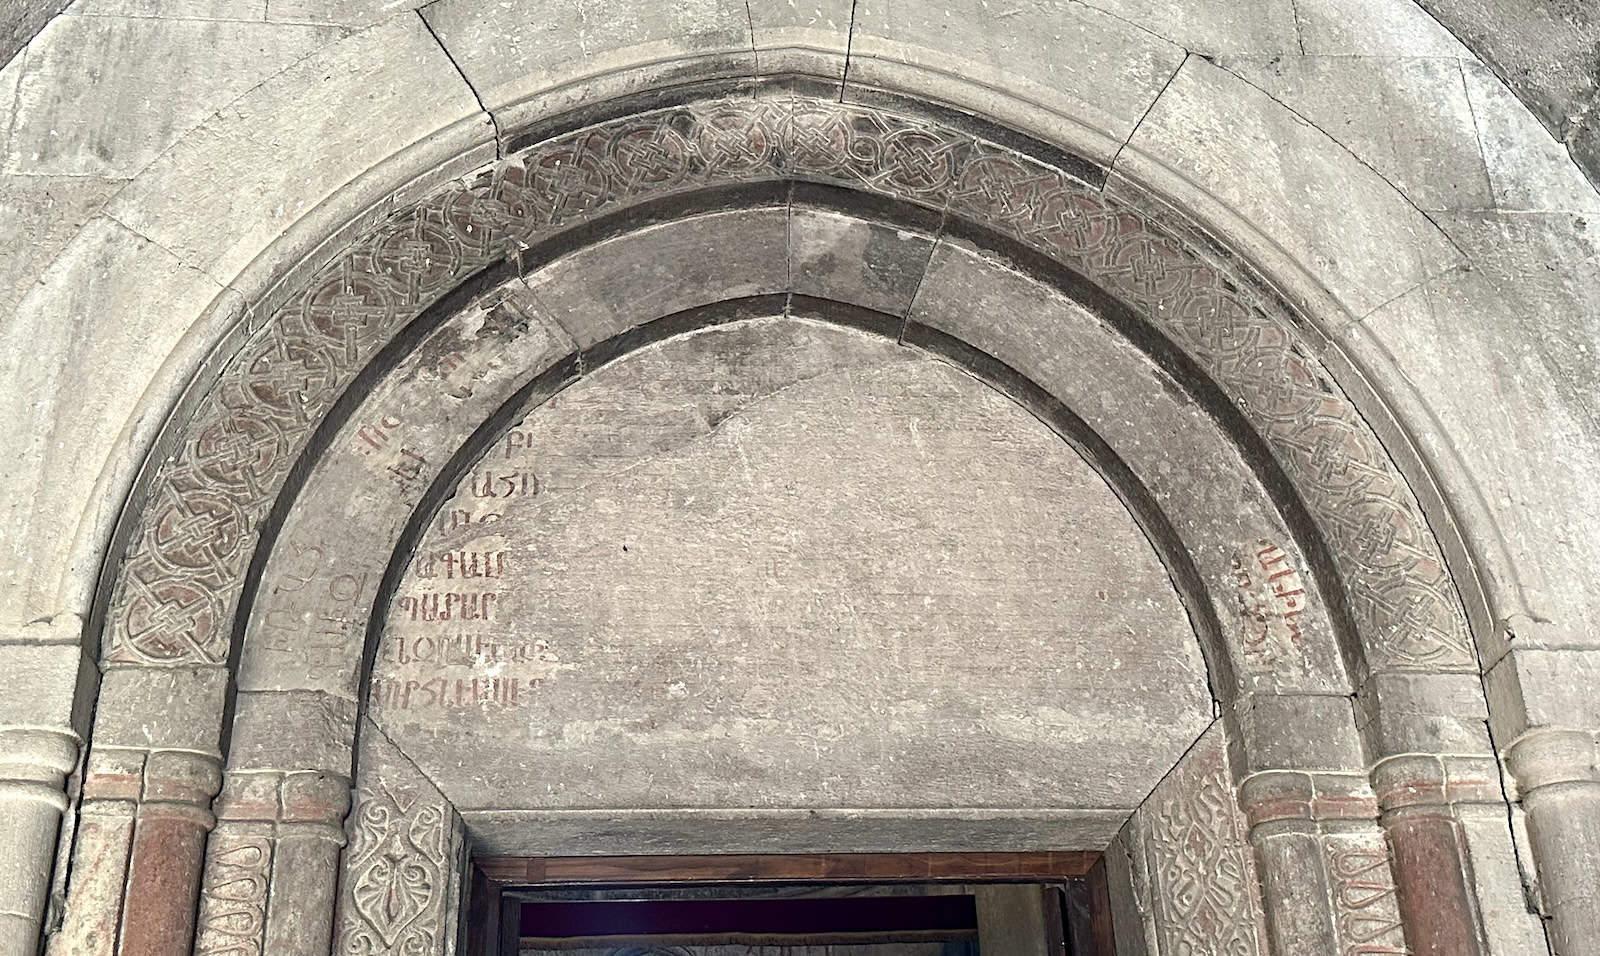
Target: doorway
[912, 904]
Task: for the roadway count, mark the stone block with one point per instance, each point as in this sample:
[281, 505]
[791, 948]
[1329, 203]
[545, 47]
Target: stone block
[528, 59]
[1071, 73]
[1376, 28]
[839, 257]
[232, 187]
[1510, 924]
[1535, 687]
[607, 288]
[1423, 713]
[52, 685]
[1407, 117]
[292, 730]
[1214, 27]
[1295, 732]
[1302, 193]
[105, 95]
[189, 700]
[808, 37]
[1529, 169]
[694, 831]
[69, 415]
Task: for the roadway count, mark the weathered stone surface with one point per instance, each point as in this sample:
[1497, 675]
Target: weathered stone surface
[39, 215]
[1537, 274]
[1297, 732]
[1382, 28]
[523, 57]
[696, 555]
[1547, 50]
[845, 259]
[1407, 117]
[689, 830]
[89, 75]
[65, 409]
[173, 9]
[1215, 27]
[292, 730]
[266, 161]
[1275, 633]
[802, 37]
[1064, 70]
[1530, 170]
[1307, 195]
[610, 287]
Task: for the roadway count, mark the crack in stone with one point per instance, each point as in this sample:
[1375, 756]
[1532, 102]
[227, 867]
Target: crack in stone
[1460, 251]
[499, 141]
[1111, 166]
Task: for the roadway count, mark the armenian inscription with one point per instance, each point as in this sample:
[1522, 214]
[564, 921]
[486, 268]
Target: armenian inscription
[786, 564]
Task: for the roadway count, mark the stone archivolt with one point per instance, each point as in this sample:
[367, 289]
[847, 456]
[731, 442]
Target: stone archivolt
[180, 586]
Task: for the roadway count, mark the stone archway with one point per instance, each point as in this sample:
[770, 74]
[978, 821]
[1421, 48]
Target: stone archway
[243, 461]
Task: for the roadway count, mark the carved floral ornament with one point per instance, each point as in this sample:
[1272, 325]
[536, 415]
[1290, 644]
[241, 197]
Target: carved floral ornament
[178, 587]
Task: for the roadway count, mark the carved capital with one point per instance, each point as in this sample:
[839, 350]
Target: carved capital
[1549, 757]
[1284, 796]
[34, 763]
[1410, 783]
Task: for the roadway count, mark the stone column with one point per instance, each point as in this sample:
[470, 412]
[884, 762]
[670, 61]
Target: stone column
[146, 811]
[40, 724]
[272, 864]
[1444, 814]
[1546, 714]
[1559, 783]
[1326, 874]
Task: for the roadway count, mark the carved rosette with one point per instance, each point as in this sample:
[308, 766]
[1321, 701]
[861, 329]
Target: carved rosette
[177, 588]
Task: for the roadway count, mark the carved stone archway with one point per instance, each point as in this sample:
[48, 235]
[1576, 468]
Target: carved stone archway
[260, 434]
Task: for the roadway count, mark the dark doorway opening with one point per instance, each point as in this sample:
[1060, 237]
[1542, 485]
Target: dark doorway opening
[931, 904]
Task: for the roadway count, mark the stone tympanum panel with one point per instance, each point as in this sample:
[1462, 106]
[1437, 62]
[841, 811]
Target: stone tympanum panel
[781, 564]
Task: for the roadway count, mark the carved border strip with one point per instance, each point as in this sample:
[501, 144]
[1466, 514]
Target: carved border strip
[179, 583]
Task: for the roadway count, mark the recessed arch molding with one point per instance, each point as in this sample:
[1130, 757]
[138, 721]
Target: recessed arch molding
[1350, 736]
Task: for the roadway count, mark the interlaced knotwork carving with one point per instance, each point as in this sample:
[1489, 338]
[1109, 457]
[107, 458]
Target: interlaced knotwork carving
[1200, 860]
[178, 586]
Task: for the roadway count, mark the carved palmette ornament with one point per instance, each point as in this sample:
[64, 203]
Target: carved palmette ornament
[397, 878]
[177, 588]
